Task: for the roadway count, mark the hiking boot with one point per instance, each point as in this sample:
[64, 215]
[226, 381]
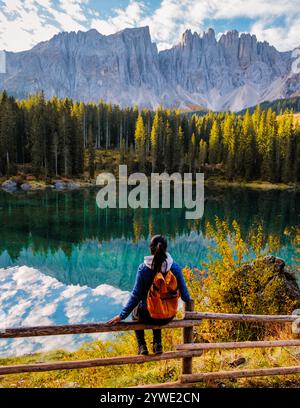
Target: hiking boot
[143, 350]
[157, 348]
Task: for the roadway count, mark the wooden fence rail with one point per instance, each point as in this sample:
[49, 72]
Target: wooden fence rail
[89, 328]
[238, 345]
[97, 362]
[241, 317]
[261, 372]
[185, 351]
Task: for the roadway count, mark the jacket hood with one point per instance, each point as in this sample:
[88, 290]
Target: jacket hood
[166, 266]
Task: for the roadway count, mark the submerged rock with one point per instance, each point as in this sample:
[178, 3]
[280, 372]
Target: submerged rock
[60, 185]
[289, 289]
[72, 186]
[9, 185]
[26, 187]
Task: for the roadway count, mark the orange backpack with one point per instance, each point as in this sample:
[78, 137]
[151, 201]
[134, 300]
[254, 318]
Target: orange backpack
[162, 299]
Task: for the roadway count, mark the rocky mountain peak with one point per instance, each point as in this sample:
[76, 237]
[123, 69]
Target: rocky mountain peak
[136, 32]
[126, 68]
[211, 35]
[186, 37]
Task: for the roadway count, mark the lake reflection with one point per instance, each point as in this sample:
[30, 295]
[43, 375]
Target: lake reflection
[63, 236]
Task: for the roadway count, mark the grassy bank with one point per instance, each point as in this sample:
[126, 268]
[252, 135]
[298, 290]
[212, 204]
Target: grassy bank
[152, 372]
[256, 185]
[108, 161]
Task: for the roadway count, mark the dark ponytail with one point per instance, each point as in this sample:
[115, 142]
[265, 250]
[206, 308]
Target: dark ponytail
[158, 247]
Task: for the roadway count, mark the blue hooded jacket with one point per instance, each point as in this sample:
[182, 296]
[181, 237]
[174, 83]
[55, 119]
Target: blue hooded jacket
[143, 282]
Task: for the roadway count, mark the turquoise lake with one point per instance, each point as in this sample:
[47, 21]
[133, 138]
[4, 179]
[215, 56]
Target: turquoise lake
[63, 260]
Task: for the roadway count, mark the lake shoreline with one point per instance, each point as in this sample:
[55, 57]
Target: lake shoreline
[255, 185]
[79, 183]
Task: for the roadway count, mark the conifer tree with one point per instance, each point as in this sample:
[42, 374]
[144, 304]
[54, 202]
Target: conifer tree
[91, 153]
[268, 145]
[65, 132]
[296, 165]
[247, 151]
[78, 113]
[168, 156]
[155, 136]
[180, 152]
[8, 135]
[38, 135]
[285, 145]
[53, 136]
[202, 154]
[192, 154]
[229, 145]
[140, 142]
[214, 144]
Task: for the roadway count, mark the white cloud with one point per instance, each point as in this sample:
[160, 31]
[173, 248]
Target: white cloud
[132, 16]
[283, 38]
[73, 8]
[166, 22]
[252, 9]
[23, 23]
[173, 17]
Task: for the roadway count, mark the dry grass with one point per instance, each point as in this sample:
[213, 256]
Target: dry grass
[297, 117]
[153, 372]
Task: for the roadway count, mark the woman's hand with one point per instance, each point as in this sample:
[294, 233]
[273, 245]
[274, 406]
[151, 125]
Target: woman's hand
[114, 320]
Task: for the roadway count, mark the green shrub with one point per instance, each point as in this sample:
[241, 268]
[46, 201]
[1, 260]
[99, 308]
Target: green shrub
[232, 282]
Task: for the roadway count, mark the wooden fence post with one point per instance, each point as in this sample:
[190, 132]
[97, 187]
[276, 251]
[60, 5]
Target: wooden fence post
[187, 363]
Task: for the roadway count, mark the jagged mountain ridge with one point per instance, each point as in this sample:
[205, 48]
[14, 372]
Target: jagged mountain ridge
[126, 68]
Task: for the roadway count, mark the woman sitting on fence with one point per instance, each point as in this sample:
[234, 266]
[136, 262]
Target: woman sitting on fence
[154, 299]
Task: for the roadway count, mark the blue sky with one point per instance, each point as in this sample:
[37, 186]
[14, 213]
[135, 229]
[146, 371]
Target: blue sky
[23, 23]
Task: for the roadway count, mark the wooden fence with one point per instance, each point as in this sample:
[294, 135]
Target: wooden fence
[185, 351]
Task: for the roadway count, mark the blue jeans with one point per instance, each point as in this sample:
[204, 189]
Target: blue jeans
[141, 315]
